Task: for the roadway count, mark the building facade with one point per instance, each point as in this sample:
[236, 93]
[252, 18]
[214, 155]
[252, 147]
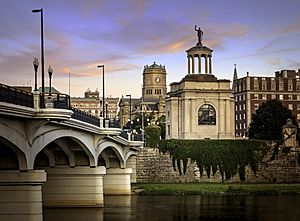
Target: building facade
[200, 106]
[251, 91]
[154, 91]
[92, 103]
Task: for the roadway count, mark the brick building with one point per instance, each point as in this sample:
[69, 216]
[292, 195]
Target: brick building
[251, 91]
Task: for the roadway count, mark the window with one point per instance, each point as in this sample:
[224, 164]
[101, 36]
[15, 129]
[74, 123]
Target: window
[298, 106]
[280, 96]
[298, 116]
[256, 106]
[290, 106]
[273, 96]
[281, 85]
[264, 97]
[290, 85]
[290, 97]
[206, 115]
[298, 85]
[273, 85]
[256, 96]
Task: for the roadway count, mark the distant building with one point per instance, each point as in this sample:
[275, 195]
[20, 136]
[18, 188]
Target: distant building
[92, 103]
[154, 91]
[251, 91]
[200, 106]
[124, 109]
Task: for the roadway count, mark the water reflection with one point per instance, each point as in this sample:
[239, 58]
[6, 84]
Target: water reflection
[165, 208]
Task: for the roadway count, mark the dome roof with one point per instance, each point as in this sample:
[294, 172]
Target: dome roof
[154, 65]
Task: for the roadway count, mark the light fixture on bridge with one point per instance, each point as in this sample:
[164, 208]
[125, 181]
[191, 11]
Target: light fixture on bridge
[35, 65]
[50, 71]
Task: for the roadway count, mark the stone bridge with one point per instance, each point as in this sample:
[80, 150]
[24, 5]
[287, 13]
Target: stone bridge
[58, 156]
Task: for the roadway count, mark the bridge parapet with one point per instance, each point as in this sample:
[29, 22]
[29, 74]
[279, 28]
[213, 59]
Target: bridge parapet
[15, 96]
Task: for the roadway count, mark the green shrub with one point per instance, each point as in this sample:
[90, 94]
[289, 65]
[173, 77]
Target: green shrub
[152, 136]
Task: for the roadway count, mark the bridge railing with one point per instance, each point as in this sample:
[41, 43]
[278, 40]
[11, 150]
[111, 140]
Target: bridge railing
[15, 96]
[84, 116]
[56, 100]
[131, 136]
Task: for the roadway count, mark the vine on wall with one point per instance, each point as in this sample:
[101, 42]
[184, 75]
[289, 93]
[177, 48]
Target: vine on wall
[152, 136]
[228, 156]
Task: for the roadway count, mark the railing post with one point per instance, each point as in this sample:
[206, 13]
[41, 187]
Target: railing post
[36, 100]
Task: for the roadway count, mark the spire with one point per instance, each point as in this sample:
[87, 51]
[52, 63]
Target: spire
[235, 73]
[235, 77]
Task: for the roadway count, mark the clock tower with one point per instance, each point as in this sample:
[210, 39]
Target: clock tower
[154, 82]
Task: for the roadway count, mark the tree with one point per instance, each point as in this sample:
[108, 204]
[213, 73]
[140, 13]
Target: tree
[268, 120]
[161, 122]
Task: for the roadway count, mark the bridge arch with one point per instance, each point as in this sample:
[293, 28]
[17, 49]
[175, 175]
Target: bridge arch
[84, 141]
[16, 142]
[118, 150]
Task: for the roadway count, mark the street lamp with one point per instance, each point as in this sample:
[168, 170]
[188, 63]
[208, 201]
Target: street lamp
[42, 50]
[129, 95]
[35, 65]
[50, 71]
[102, 66]
[106, 105]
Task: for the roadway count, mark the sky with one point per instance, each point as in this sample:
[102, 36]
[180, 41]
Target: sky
[259, 36]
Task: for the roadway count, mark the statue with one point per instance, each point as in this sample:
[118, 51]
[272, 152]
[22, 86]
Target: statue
[199, 34]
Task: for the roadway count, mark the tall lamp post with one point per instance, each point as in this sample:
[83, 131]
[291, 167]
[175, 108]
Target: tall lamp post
[103, 94]
[35, 65]
[42, 51]
[50, 72]
[129, 95]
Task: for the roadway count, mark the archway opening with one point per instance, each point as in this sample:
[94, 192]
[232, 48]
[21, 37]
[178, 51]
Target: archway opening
[8, 157]
[109, 158]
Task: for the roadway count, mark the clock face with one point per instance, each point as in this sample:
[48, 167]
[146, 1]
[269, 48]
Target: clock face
[157, 79]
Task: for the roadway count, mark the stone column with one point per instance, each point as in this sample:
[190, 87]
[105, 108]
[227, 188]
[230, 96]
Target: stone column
[117, 181]
[36, 100]
[206, 65]
[74, 187]
[222, 119]
[210, 64]
[193, 64]
[228, 116]
[131, 163]
[21, 195]
[189, 65]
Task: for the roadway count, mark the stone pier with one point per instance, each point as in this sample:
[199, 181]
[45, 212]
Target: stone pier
[21, 195]
[117, 181]
[74, 187]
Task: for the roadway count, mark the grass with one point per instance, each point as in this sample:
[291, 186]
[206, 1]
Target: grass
[216, 189]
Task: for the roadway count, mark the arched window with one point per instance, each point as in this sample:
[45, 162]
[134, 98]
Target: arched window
[206, 115]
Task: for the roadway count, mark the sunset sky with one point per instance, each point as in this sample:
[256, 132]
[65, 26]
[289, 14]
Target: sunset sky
[260, 36]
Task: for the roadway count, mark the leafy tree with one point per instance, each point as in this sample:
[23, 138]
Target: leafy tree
[268, 120]
[161, 122]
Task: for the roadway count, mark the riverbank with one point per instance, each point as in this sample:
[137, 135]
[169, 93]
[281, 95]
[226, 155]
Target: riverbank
[216, 189]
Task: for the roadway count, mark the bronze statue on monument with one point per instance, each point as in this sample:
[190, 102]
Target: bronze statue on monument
[199, 34]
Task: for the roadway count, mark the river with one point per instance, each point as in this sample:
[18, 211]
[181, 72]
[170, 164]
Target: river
[151, 208]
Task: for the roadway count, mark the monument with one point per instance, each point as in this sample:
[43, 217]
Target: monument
[200, 106]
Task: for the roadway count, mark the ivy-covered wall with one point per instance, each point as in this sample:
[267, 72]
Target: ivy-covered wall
[229, 157]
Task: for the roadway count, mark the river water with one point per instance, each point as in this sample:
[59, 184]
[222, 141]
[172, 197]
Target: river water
[151, 208]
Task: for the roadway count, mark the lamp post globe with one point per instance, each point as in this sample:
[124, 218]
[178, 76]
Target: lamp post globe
[35, 65]
[50, 72]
